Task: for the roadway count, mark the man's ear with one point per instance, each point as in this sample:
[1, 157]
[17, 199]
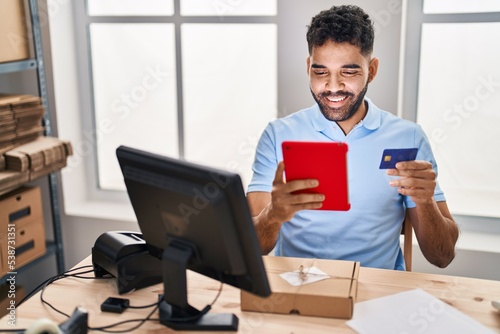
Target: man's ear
[372, 69]
[308, 64]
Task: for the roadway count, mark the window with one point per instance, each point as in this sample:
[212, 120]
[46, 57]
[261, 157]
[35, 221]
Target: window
[228, 8]
[134, 89]
[460, 6]
[230, 95]
[458, 84]
[130, 7]
[180, 78]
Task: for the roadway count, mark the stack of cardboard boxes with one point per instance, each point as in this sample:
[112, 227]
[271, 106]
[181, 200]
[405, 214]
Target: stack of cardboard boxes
[25, 155]
[20, 120]
[38, 158]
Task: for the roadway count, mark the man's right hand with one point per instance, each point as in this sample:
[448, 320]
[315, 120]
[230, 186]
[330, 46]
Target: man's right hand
[271, 210]
[284, 204]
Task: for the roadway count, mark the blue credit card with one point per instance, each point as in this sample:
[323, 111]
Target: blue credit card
[392, 156]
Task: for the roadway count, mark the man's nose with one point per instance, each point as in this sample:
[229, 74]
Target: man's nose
[335, 82]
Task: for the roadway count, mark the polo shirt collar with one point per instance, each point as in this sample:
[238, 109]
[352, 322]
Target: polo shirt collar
[371, 121]
[373, 117]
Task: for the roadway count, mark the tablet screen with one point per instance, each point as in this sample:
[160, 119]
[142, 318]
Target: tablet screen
[324, 161]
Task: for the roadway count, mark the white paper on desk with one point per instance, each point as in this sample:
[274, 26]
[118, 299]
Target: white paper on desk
[409, 312]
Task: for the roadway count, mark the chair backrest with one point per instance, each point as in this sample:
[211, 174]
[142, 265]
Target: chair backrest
[407, 232]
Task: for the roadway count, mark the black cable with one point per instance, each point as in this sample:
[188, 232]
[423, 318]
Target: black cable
[61, 276]
[148, 318]
[44, 284]
[218, 293]
[141, 322]
[106, 328]
[35, 290]
[48, 304]
[144, 306]
[203, 311]
[29, 295]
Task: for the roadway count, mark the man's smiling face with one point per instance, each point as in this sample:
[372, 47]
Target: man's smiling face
[338, 76]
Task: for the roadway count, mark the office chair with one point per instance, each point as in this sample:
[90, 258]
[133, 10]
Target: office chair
[407, 232]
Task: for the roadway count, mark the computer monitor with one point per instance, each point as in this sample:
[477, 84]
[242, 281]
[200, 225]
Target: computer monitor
[193, 217]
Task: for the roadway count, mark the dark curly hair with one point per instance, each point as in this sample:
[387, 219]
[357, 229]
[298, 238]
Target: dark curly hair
[342, 24]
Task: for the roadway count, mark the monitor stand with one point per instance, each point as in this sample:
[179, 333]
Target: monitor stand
[175, 311]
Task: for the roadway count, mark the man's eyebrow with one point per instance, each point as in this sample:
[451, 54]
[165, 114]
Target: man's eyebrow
[343, 66]
[351, 66]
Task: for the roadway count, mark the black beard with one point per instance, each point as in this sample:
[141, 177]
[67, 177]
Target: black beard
[352, 109]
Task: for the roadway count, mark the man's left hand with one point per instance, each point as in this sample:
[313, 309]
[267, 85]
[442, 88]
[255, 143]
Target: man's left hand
[417, 180]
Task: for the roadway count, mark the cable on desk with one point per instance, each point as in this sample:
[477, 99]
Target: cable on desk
[56, 278]
[148, 318]
[144, 306]
[34, 291]
[107, 328]
[141, 322]
[104, 328]
[43, 285]
[203, 311]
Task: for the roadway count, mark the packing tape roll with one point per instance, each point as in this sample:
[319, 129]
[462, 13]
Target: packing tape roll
[43, 325]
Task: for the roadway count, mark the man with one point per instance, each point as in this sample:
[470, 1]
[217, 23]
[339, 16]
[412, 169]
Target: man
[340, 66]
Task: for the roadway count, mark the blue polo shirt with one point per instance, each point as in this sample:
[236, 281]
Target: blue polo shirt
[369, 232]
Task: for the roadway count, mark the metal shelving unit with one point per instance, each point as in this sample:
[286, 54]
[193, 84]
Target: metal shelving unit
[55, 247]
[17, 66]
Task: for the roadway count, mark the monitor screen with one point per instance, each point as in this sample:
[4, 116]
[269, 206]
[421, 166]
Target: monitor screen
[193, 217]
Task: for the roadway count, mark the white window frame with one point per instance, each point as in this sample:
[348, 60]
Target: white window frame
[70, 54]
[408, 98]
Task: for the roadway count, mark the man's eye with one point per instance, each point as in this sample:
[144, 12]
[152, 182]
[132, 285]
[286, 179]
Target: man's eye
[349, 73]
[320, 73]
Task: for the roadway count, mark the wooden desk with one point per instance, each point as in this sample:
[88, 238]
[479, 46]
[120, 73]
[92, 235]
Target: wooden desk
[471, 296]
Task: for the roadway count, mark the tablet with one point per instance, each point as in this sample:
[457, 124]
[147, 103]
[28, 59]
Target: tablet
[324, 161]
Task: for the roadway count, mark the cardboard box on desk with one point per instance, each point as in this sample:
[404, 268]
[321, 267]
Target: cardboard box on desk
[333, 297]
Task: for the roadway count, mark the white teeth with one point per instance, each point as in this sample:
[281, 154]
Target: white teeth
[337, 99]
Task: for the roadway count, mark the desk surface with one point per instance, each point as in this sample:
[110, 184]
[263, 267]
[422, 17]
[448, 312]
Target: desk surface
[471, 296]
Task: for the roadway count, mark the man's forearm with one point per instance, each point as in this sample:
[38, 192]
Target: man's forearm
[437, 233]
[267, 230]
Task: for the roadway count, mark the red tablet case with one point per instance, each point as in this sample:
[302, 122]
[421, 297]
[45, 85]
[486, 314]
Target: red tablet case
[324, 161]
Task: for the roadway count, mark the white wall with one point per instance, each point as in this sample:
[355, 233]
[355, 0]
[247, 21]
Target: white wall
[80, 233]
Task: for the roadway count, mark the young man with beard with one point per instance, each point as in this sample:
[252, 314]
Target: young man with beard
[340, 67]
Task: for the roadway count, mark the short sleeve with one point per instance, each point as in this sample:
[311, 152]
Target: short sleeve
[425, 153]
[265, 163]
